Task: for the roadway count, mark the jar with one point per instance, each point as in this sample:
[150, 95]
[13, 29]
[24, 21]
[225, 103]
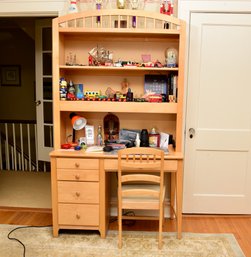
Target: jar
[154, 138]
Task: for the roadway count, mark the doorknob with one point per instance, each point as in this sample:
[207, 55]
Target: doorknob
[191, 132]
[38, 102]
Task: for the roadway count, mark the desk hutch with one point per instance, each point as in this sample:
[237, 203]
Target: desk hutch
[80, 181]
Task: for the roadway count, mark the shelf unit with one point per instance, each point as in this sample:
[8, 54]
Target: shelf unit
[77, 34]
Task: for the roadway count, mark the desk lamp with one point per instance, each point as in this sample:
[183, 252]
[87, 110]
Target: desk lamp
[78, 123]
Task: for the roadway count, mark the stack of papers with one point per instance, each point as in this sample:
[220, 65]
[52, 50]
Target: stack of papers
[94, 149]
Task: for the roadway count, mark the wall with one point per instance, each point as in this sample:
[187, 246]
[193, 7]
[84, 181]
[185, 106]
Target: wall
[17, 48]
[31, 7]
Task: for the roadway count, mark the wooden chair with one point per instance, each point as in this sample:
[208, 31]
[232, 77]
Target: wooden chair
[141, 184]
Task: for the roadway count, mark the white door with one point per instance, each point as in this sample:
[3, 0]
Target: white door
[44, 88]
[217, 174]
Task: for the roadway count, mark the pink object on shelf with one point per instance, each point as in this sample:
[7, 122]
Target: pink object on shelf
[146, 57]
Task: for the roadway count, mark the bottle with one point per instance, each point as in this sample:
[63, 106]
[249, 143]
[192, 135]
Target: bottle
[144, 138]
[99, 136]
[137, 140]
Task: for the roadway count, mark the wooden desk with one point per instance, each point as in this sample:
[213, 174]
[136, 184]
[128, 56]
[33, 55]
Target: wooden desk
[80, 189]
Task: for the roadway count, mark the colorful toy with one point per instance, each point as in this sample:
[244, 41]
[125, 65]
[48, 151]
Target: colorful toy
[63, 89]
[71, 92]
[155, 98]
[92, 95]
[79, 92]
[166, 7]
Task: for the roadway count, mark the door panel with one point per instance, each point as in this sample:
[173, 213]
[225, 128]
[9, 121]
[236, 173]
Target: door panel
[44, 88]
[217, 173]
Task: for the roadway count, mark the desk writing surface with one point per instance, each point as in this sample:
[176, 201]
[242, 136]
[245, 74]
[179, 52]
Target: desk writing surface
[172, 155]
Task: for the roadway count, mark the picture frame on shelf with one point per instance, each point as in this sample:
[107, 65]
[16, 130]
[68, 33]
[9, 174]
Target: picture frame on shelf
[10, 75]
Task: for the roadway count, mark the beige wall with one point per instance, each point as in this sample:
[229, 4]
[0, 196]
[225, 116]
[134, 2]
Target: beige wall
[18, 48]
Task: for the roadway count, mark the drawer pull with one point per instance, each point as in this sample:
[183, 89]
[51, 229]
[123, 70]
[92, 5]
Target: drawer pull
[77, 194]
[76, 165]
[77, 176]
[78, 216]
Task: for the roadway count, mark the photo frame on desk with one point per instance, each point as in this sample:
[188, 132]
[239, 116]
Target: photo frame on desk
[10, 75]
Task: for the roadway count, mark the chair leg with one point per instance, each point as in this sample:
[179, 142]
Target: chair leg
[120, 228]
[160, 226]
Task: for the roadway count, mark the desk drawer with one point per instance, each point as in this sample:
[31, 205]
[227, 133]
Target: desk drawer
[77, 163]
[78, 175]
[110, 164]
[78, 192]
[170, 165]
[78, 214]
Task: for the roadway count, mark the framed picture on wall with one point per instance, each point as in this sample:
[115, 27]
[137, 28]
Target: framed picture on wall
[10, 75]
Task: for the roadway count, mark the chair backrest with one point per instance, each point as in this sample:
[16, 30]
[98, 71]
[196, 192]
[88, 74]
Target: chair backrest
[141, 165]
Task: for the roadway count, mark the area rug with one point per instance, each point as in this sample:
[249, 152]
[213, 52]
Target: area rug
[40, 242]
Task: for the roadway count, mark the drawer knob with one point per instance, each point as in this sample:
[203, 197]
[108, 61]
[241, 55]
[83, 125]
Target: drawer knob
[77, 176]
[76, 165]
[77, 194]
[78, 216]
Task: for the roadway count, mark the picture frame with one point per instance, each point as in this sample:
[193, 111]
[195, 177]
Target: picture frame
[10, 75]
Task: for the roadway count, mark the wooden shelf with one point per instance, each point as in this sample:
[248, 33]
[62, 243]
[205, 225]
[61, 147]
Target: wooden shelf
[78, 33]
[119, 107]
[111, 68]
[119, 31]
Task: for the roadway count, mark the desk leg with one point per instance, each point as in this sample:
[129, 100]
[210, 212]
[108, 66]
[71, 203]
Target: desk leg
[102, 200]
[179, 191]
[172, 196]
[54, 196]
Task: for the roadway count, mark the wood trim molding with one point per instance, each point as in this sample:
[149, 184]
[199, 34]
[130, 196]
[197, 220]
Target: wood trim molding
[31, 7]
[26, 209]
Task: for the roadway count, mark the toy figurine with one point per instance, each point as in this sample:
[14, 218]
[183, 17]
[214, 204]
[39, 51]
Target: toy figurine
[73, 8]
[129, 95]
[71, 91]
[166, 7]
[63, 89]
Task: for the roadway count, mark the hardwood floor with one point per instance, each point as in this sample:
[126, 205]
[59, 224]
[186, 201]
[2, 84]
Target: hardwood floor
[238, 225]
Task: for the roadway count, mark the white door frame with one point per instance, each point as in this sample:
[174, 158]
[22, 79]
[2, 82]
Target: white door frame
[43, 149]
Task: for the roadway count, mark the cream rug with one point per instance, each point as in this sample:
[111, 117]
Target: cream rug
[39, 242]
